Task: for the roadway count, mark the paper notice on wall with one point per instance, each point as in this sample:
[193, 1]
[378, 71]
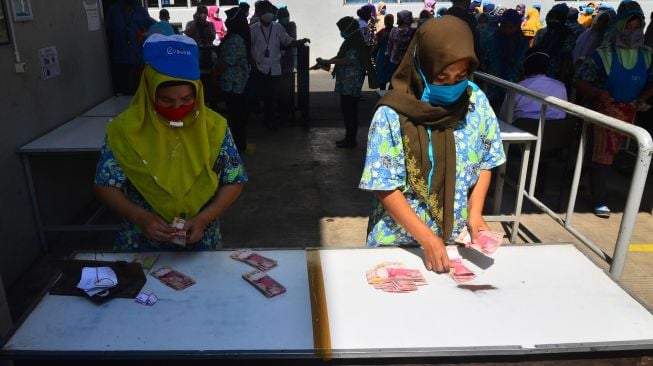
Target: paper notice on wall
[92, 15]
[49, 62]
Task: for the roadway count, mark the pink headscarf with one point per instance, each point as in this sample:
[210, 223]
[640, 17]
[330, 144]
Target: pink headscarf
[429, 4]
[220, 29]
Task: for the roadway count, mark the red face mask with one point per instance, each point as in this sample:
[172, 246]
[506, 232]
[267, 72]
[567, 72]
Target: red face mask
[174, 114]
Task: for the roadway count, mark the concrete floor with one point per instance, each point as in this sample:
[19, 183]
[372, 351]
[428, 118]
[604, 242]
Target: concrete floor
[303, 192]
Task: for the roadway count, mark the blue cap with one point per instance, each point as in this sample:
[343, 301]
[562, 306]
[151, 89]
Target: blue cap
[282, 5]
[176, 56]
[537, 6]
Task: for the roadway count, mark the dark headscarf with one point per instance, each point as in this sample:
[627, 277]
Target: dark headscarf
[349, 26]
[436, 44]
[237, 24]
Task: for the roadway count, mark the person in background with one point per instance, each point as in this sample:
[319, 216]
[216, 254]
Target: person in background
[592, 38]
[384, 68]
[535, 67]
[648, 35]
[531, 25]
[521, 10]
[163, 25]
[351, 64]
[286, 100]
[400, 37]
[538, 7]
[200, 29]
[218, 24]
[460, 9]
[616, 80]
[432, 142]
[244, 6]
[268, 40]
[168, 156]
[371, 25]
[381, 11]
[364, 16]
[482, 24]
[233, 73]
[126, 23]
[557, 41]
[502, 53]
[572, 23]
[424, 16]
[587, 15]
[429, 5]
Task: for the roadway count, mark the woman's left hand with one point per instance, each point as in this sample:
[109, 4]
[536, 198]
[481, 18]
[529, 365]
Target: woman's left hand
[194, 229]
[476, 224]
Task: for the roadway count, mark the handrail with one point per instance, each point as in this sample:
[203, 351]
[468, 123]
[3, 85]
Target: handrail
[644, 154]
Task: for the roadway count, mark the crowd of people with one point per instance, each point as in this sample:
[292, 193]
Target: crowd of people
[248, 56]
[589, 55]
[434, 135]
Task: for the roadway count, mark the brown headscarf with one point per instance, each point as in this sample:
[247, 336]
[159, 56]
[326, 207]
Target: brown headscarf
[437, 44]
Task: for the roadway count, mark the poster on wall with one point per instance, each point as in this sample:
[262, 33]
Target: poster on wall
[49, 62]
[22, 10]
[4, 28]
[92, 15]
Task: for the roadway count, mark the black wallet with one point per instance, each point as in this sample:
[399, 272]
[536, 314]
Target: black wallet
[131, 279]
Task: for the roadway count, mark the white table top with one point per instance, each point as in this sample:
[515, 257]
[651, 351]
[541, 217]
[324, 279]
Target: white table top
[87, 134]
[81, 134]
[220, 312]
[547, 297]
[110, 107]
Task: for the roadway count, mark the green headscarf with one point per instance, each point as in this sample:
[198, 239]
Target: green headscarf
[437, 44]
[171, 167]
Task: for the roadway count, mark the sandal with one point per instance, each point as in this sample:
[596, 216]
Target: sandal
[602, 211]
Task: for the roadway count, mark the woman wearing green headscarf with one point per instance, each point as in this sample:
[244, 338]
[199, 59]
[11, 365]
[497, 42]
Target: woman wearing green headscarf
[615, 80]
[432, 142]
[168, 157]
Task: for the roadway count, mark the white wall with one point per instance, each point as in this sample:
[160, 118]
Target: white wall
[32, 106]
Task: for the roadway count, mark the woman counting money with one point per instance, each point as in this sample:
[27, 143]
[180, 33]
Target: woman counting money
[432, 142]
[168, 157]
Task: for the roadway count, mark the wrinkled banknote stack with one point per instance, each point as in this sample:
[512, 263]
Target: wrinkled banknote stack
[394, 277]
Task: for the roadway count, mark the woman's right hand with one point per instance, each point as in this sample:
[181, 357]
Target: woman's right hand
[155, 228]
[435, 255]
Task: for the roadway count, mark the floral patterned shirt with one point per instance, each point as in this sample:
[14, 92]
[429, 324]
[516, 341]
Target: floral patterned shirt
[349, 78]
[228, 167]
[233, 54]
[478, 147]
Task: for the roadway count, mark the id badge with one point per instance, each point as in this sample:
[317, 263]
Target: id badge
[267, 53]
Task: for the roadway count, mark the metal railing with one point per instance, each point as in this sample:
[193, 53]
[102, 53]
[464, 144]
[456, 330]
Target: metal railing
[637, 184]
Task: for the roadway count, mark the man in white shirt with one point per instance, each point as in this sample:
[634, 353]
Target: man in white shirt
[268, 38]
[535, 67]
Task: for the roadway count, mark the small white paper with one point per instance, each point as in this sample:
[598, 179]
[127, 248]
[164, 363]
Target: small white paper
[49, 62]
[97, 279]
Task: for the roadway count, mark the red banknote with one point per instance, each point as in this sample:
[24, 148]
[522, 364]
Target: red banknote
[487, 241]
[254, 259]
[264, 283]
[173, 278]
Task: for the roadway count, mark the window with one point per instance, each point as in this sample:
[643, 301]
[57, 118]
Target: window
[356, 2]
[202, 2]
[228, 2]
[173, 3]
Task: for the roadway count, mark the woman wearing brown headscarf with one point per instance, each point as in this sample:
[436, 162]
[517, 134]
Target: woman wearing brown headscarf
[431, 145]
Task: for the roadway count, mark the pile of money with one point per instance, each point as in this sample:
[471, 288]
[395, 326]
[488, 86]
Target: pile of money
[394, 277]
[459, 272]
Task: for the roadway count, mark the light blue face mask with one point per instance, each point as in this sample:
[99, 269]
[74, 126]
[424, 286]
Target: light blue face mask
[442, 94]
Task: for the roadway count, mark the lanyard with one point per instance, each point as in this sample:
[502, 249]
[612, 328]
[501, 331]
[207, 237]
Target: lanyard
[267, 39]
